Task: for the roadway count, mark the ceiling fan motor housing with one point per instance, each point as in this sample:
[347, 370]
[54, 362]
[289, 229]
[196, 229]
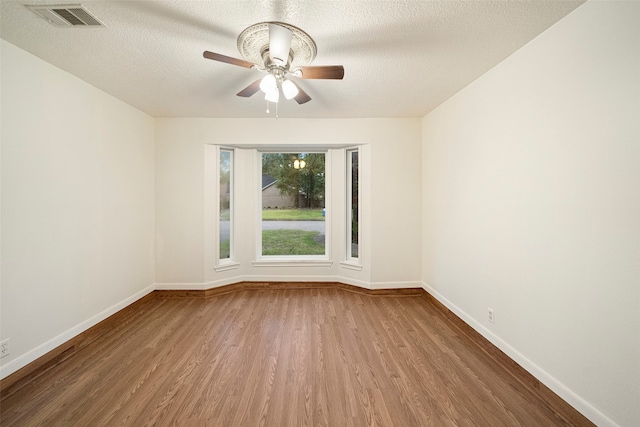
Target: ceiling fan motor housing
[271, 66]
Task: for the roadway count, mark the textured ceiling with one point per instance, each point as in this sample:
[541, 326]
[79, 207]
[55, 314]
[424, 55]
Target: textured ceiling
[401, 58]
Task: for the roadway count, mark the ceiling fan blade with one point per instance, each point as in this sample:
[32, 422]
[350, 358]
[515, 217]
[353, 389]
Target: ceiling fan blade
[335, 72]
[250, 90]
[302, 96]
[279, 44]
[228, 59]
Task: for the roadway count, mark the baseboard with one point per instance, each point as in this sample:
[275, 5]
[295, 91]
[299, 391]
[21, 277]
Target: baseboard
[289, 279]
[396, 285]
[12, 367]
[186, 286]
[271, 285]
[238, 279]
[531, 373]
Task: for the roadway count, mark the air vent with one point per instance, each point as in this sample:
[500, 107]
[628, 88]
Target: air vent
[67, 16]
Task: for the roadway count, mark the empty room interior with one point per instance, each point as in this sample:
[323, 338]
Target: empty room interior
[464, 184]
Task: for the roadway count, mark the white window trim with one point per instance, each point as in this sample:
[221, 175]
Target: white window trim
[350, 262]
[292, 262]
[350, 265]
[226, 263]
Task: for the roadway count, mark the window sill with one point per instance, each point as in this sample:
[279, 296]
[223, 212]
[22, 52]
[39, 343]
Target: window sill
[351, 265]
[292, 263]
[225, 267]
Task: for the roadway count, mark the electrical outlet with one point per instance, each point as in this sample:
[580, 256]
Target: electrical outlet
[4, 348]
[492, 315]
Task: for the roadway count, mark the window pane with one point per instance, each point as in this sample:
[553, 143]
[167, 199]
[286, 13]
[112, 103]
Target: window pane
[225, 203]
[354, 204]
[293, 202]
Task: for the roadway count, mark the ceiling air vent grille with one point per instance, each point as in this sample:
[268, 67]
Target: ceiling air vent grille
[67, 16]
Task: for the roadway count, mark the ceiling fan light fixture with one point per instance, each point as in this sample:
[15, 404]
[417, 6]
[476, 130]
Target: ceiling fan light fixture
[272, 96]
[269, 84]
[289, 89]
[280, 50]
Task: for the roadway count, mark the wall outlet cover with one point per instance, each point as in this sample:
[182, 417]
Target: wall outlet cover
[4, 348]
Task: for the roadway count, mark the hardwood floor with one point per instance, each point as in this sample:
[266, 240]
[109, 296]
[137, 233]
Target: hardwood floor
[283, 357]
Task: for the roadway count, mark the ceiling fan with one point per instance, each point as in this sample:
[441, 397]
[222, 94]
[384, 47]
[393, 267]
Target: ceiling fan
[283, 51]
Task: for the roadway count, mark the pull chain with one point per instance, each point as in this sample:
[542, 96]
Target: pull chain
[268, 111]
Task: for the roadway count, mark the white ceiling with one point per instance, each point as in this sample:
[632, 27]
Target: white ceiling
[402, 58]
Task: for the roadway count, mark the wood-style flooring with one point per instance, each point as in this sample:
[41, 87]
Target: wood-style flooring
[283, 357]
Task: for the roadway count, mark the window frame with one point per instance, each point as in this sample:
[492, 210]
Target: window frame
[349, 205]
[292, 260]
[222, 264]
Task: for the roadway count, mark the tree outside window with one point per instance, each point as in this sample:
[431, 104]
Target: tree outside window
[294, 224]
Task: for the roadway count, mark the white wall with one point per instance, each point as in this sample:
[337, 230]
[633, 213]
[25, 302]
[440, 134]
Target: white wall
[531, 201]
[392, 256]
[77, 206]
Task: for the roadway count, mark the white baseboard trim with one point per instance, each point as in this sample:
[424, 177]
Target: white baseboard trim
[557, 387]
[288, 278]
[23, 360]
[285, 278]
[185, 286]
[353, 282]
[396, 285]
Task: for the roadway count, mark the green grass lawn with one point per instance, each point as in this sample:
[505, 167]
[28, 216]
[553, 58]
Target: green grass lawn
[290, 242]
[225, 249]
[292, 215]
